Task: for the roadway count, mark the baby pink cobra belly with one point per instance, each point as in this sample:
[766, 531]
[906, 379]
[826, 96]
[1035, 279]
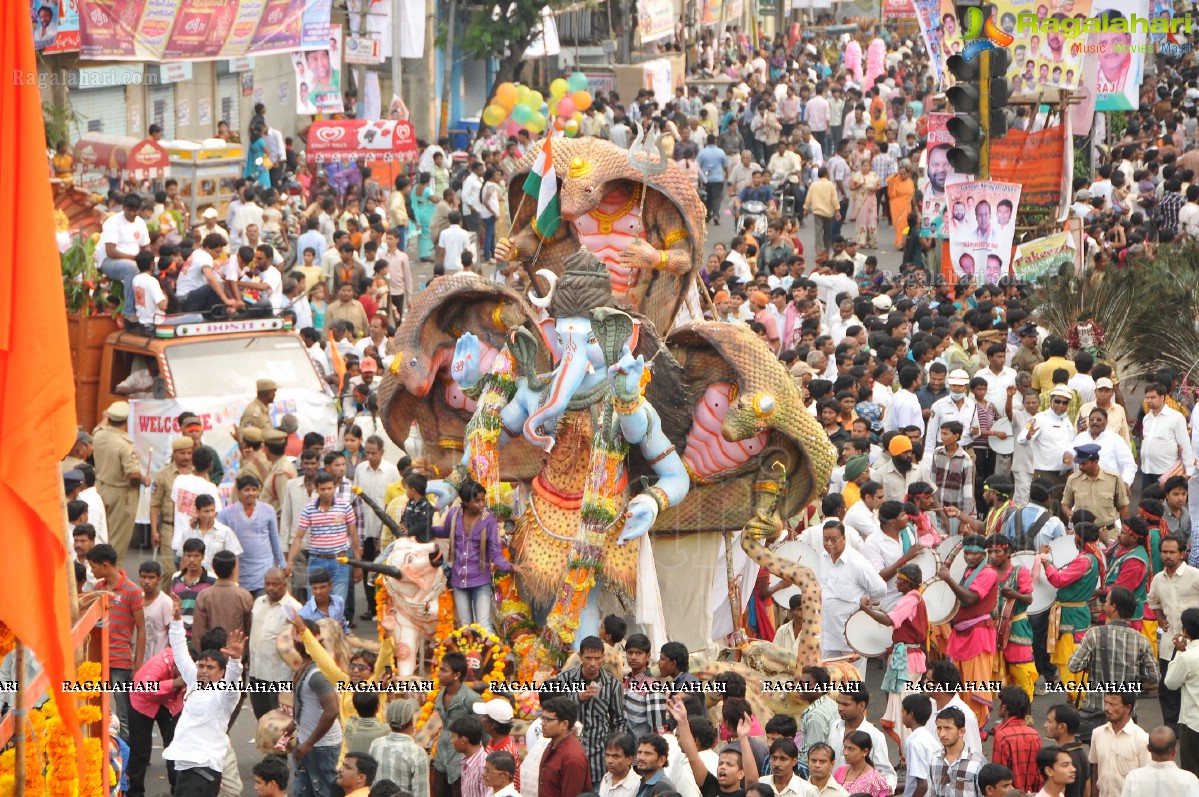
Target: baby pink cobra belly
[606, 240]
[708, 453]
[454, 396]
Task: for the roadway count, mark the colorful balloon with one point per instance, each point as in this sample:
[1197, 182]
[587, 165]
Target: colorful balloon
[522, 114]
[522, 95]
[571, 128]
[506, 95]
[577, 82]
[578, 117]
[559, 88]
[494, 114]
[535, 99]
[536, 123]
[566, 107]
[559, 124]
[581, 99]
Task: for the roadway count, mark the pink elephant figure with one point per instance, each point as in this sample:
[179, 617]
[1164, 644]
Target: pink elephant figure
[412, 601]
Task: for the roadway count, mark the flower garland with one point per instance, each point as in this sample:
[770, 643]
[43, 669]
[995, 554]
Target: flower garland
[472, 641]
[51, 767]
[484, 428]
[381, 605]
[515, 620]
[602, 506]
[8, 640]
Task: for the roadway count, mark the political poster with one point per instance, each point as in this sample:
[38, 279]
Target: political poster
[928, 17]
[1044, 58]
[981, 225]
[318, 77]
[1121, 54]
[198, 30]
[153, 423]
[938, 173]
[655, 20]
[55, 25]
[1043, 257]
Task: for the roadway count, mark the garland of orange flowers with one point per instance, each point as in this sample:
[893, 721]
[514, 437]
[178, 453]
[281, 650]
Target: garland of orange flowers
[484, 428]
[490, 649]
[8, 640]
[381, 605]
[51, 767]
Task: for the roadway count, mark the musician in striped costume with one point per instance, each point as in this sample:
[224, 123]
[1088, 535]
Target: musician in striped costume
[1013, 662]
[1128, 566]
[1070, 616]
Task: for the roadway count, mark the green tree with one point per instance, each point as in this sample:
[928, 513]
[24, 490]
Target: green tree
[505, 34]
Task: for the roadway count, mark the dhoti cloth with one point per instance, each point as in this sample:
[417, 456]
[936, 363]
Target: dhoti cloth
[1149, 630]
[1023, 675]
[905, 666]
[1061, 646]
[977, 671]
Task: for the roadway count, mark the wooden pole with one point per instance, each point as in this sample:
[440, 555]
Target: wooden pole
[19, 713]
[738, 635]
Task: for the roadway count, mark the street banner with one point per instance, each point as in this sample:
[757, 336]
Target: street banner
[318, 77]
[153, 424]
[898, 9]
[1121, 55]
[351, 139]
[1040, 162]
[656, 19]
[199, 30]
[928, 17]
[1043, 257]
[938, 173]
[981, 224]
[1042, 59]
[378, 25]
[55, 26]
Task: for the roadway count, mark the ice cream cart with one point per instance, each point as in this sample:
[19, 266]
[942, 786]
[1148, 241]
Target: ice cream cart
[206, 172]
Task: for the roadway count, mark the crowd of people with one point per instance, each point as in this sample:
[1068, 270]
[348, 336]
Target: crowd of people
[966, 433]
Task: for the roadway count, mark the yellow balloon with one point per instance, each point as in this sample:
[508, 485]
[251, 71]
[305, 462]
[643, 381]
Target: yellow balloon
[522, 95]
[577, 117]
[494, 114]
[536, 122]
[506, 95]
[571, 128]
[582, 100]
[553, 106]
[558, 88]
[535, 100]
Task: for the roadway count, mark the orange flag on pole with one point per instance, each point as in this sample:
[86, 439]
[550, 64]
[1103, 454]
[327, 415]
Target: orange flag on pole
[339, 364]
[37, 393]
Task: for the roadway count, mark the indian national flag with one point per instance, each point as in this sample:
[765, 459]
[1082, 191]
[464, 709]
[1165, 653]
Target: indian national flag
[542, 183]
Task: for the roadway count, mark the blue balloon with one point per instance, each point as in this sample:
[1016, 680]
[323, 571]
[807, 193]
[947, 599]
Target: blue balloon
[577, 82]
[545, 109]
[521, 114]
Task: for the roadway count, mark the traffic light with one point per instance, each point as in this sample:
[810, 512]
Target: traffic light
[966, 125]
[979, 94]
[998, 92]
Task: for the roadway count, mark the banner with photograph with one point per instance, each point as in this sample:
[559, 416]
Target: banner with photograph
[981, 226]
[1121, 55]
[153, 423]
[655, 19]
[55, 25]
[199, 30]
[938, 173]
[1043, 257]
[928, 17]
[1043, 59]
[1041, 162]
[318, 77]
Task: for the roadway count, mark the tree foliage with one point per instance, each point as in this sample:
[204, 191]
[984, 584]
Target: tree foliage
[506, 34]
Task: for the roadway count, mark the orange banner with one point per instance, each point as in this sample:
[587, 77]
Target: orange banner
[1035, 161]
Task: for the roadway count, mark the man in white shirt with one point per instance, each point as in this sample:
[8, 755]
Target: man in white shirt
[452, 242]
[472, 187]
[957, 406]
[201, 736]
[851, 711]
[216, 536]
[249, 213]
[892, 548]
[1174, 590]
[121, 238]
[1161, 775]
[270, 617]
[998, 375]
[1165, 440]
[943, 683]
[905, 407]
[198, 287]
[373, 477]
[1118, 746]
[1049, 436]
[846, 577]
[831, 280]
[620, 780]
[1114, 453]
[736, 256]
[921, 746]
[861, 518]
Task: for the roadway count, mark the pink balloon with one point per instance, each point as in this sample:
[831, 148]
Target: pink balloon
[509, 127]
[566, 107]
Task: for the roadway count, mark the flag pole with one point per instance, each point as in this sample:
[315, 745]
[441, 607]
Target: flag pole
[19, 712]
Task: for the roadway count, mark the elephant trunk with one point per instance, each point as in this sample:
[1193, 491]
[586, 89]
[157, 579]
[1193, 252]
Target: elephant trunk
[570, 374]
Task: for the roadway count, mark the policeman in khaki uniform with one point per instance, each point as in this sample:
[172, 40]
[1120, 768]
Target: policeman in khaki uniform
[253, 457]
[1095, 489]
[162, 506]
[258, 413]
[282, 471]
[118, 475]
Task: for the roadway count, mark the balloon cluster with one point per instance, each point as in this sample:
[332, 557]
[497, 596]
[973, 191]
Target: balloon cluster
[515, 106]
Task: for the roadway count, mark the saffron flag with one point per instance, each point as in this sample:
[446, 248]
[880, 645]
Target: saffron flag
[37, 393]
[542, 184]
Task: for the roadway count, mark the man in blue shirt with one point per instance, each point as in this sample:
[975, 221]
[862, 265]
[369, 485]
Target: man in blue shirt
[758, 191]
[323, 602]
[312, 238]
[712, 164]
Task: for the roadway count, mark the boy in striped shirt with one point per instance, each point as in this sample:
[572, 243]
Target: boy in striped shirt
[127, 624]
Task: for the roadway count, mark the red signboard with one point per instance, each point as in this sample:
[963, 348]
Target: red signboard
[123, 157]
[351, 139]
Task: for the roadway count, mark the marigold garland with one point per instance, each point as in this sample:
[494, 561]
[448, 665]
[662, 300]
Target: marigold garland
[484, 428]
[492, 653]
[51, 767]
[8, 640]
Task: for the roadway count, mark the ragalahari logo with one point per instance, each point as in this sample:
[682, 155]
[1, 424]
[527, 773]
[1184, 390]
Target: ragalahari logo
[982, 34]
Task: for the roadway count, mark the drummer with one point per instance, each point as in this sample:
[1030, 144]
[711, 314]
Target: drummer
[997, 494]
[1070, 616]
[971, 643]
[846, 577]
[921, 498]
[1014, 659]
[1128, 565]
[890, 550]
[907, 661]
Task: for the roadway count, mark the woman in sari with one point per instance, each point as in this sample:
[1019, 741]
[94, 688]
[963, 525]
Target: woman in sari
[256, 155]
[863, 188]
[422, 206]
[901, 192]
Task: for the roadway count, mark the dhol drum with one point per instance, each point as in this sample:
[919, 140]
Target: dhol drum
[940, 601]
[1043, 593]
[957, 568]
[949, 547]
[795, 551]
[867, 636]
[928, 563]
[1063, 551]
[1008, 444]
